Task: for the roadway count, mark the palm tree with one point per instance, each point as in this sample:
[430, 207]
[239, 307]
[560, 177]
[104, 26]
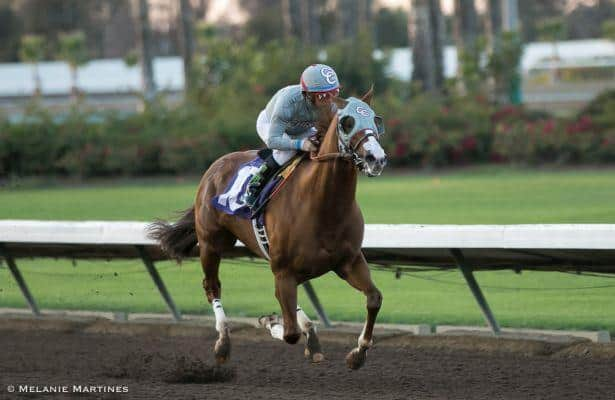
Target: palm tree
[493, 24]
[187, 30]
[287, 19]
[466, 40]
[32, 50]
[73, 50]
[425, 34]
[348, 15]
[147, 68]
[438, 32]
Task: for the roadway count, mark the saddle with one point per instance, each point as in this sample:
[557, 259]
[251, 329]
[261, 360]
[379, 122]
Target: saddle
[275, 183]
[231, 200]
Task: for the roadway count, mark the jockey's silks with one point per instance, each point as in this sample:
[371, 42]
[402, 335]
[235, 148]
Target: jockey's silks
[291, 116]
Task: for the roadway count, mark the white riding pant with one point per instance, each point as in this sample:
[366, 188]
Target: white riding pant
[262, 128]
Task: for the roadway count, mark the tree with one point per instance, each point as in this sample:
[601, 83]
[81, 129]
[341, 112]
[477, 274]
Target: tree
[287, 19]
[391, 28]
[437, 31]
[552, 30]
[305, 17]
[425, 30]
[493, 24]
[503, 67]
[355, 65]
[265, 25]
[10, 33]
[493, 29]
[73, 51]
[187, 29]
[32, 50]
[530, 12]
[309, 12]
[468, 47]
[585, 20]
[147, 68]
[305, 11]
[347, 19]
[608, 29]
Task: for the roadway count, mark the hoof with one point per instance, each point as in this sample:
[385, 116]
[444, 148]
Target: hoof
[356, 358]
[313, 350]
[222, 349]
[314, 357]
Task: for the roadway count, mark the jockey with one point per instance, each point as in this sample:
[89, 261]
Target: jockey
[288, 120]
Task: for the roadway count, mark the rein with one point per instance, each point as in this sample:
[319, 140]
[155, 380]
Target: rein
[329, 156]
[348, 156]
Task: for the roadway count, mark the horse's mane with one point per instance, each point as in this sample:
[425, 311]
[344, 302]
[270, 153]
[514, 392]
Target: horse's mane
[322, 125]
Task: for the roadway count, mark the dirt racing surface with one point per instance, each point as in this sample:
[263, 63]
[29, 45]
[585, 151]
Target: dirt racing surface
[103, 359]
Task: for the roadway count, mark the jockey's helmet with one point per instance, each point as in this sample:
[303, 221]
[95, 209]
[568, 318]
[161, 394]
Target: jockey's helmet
[319, 78]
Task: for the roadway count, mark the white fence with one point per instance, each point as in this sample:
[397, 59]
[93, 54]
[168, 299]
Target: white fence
[572, 247]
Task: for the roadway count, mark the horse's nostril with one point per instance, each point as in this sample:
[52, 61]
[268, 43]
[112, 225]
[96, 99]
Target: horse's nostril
[370, 158]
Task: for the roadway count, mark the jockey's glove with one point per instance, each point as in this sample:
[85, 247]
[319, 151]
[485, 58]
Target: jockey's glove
[307, 145]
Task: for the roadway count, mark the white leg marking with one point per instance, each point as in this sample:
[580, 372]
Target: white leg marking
[220, 316]
[275, 327]
[305, 323]
[277, 331]
[362, 342]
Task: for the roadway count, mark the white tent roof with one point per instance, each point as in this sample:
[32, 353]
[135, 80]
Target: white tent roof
[98, 76]
[533, 53]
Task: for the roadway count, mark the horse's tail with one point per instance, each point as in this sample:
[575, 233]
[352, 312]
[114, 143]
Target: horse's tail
[176, 240]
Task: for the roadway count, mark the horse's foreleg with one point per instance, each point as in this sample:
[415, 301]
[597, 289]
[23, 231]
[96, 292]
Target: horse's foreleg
[286, 293]
[210, 261]
[313, 350]
[358, 276]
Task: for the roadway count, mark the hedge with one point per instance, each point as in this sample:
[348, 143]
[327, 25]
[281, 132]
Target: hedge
[421, 132]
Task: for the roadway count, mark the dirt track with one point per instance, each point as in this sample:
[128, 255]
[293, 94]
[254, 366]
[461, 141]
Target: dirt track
[157, 361]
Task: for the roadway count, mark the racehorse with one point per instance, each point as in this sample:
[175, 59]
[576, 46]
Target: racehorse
[314, 226]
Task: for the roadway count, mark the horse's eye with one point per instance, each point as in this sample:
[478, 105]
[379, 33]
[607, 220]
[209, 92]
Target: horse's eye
[347, 124]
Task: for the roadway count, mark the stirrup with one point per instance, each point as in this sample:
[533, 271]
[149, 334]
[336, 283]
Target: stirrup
[251, 197]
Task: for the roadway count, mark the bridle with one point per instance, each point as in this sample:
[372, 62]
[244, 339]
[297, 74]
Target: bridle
[347, 152]
[352, 137]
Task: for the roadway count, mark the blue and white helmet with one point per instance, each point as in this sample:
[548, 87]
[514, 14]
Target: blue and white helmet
[319, 78]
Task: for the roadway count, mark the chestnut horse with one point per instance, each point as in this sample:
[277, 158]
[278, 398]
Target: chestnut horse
[314, 226]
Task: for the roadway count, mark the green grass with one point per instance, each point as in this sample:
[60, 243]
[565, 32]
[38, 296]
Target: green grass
[531, 299]
[478, 196]
[484, 195]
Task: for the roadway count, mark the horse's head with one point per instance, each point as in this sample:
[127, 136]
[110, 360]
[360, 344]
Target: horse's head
[359, 130]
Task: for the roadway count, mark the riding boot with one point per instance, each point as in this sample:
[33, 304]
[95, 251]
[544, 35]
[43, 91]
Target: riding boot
[256, 184]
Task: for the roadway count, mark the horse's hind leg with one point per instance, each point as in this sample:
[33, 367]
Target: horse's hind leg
[357, 275]
[210, 261]
[313, 350]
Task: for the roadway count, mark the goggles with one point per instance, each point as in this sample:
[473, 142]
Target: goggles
[326, 95]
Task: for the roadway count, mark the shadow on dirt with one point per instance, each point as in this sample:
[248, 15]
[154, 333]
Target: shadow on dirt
[170, 369]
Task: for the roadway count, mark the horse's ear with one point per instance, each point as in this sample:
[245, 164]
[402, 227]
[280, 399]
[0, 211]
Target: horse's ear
[367, 97]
